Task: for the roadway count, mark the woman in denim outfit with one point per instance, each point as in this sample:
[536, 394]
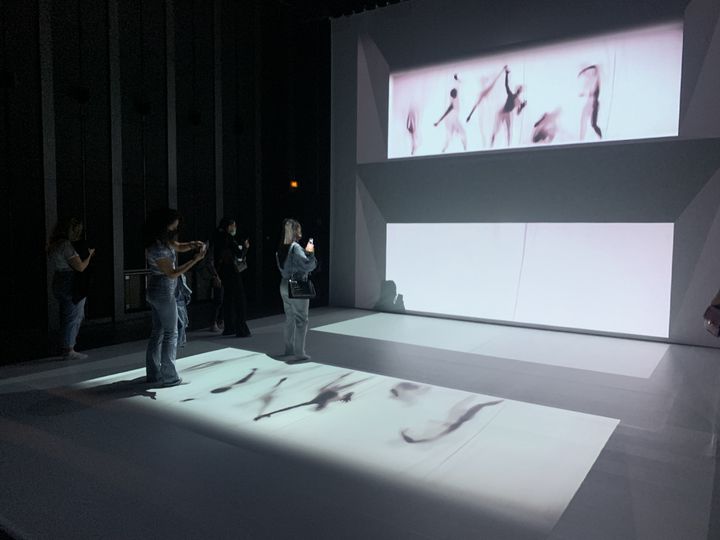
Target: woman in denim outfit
[294, 261]
[160, 247]
[63, 258]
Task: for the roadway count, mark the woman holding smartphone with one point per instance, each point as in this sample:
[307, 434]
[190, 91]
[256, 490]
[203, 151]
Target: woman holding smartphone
[295, 262]
[161, 244]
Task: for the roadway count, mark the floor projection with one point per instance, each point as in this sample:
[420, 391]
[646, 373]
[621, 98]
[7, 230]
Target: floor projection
[619, 86]
[515, 461]
[592, 276]
[627, 357]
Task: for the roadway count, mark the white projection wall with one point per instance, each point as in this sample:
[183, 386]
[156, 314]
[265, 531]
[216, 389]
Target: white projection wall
[618, 86]
[609, 277]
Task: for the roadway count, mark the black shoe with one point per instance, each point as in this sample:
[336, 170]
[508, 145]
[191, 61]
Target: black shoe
[173, 383]
[244, 333]
[228, 333]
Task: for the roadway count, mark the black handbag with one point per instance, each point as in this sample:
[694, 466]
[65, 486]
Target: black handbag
[240, 265]
[301, 289]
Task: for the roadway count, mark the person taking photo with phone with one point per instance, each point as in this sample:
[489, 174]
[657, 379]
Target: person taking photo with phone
[161, 246]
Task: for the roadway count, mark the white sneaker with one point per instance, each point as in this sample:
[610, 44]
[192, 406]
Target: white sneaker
[74, 355]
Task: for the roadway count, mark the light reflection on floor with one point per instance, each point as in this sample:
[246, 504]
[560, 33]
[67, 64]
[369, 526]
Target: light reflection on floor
[512, 459]
[628, 357]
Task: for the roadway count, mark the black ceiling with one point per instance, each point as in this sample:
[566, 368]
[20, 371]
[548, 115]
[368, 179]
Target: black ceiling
[307, 10]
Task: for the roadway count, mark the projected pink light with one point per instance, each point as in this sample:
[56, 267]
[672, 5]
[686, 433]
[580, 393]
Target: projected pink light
[619, 86]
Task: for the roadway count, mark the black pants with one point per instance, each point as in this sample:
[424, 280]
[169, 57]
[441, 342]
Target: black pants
[218, 294]
[234, 304]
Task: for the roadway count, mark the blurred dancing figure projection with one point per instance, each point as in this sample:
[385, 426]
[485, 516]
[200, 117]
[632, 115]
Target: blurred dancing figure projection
[328, 394]
[504, 115]
[591, 92]
[452, 119]
[486, 89]
[245, 379]
[408, 392]
[411, 124]
[458, 416]
[545, 129]
[204, 365]
[267, 398]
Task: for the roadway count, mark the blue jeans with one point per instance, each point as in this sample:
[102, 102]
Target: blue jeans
[183, 321]
[296, 321]
[71, 314]
[162, 347]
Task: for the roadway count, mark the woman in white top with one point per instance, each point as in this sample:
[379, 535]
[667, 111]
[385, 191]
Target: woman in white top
[65, 261]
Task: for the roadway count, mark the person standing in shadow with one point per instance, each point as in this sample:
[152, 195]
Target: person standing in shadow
[65, 261]
[161, 245]
[230, 260]
[389, 299]
[294, 262]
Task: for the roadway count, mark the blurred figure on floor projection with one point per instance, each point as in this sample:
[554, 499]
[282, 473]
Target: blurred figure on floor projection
[504, 115]
[230, 260]
[486, 89]
[591, 93]
[411, 124]
[161, 245]
[330, 393]
[451, 117]
[389, 299]
[458, 416]
[294, 262]
[65, 261]
[545, 129]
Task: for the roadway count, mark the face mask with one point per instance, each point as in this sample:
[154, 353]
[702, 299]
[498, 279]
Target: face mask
[232, 232]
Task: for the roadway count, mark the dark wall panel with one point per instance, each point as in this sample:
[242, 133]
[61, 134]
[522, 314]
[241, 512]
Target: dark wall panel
[21, 173]
[144, 119]
[80, 73]
[95, 155]
[71, 93]
[195, 112]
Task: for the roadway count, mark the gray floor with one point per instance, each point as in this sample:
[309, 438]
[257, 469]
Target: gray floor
[97, 464]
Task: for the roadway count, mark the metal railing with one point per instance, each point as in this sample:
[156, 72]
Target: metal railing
[136, 284]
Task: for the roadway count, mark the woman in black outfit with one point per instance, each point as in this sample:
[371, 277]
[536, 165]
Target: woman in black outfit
[229, 260]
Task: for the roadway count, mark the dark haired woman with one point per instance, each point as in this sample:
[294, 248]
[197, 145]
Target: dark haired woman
[160, 247]
[294, 262]
[229, 258]
[65, 261]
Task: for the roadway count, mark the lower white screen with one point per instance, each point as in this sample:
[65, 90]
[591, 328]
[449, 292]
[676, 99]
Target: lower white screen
[609, 277]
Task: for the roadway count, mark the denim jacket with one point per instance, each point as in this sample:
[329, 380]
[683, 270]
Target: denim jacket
[298, 263]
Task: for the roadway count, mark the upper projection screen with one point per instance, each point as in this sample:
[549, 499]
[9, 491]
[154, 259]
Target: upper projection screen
[619, 86]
